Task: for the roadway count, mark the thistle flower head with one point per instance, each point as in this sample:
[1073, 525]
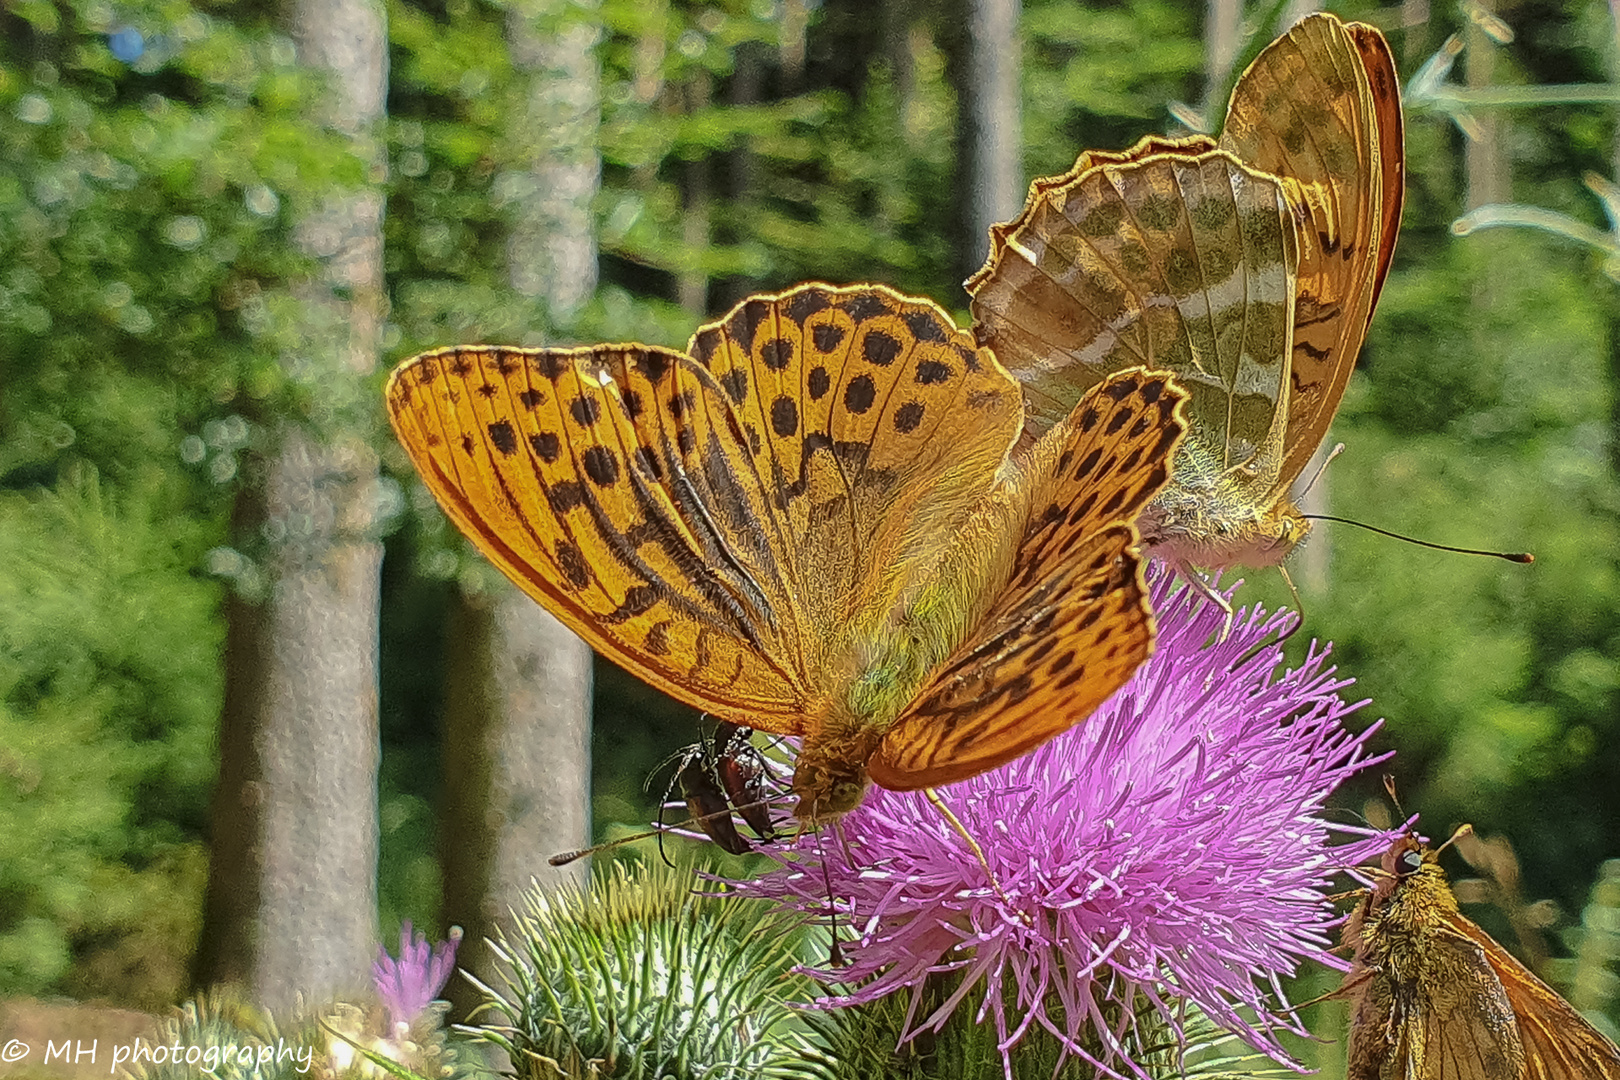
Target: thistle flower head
[1171, 848]
[408, 985]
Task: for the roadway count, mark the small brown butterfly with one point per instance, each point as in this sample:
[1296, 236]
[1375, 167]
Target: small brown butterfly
[808, 523]
[1437, 999]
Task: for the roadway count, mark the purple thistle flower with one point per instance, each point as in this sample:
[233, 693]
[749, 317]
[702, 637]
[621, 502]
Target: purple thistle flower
[408, 985]
[1171, 848]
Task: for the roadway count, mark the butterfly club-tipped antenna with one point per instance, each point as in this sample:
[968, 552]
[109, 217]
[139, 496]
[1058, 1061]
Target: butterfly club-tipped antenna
[1523, 557]
[702, 821]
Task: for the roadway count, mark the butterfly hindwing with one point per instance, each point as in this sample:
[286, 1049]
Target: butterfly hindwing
[1171, 259]
[876, 426]
[1072, 622]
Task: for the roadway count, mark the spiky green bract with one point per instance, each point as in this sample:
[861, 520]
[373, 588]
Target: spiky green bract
[643, 977]
[219, 1035]
[868, 1042]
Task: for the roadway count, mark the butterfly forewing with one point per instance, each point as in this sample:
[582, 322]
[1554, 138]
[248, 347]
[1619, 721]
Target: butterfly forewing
[1558, 1042]
[1072, 623]
[1320, 108]
[876, 426]
[535, 456]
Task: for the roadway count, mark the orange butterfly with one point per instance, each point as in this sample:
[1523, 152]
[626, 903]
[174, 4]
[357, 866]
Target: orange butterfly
[808, 524]
[1437, 999]
[1249, 267]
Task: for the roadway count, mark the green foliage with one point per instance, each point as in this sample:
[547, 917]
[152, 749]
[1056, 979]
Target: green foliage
[109, 689]
[145, 308]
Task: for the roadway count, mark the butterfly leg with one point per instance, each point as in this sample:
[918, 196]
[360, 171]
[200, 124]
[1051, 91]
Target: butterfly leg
[973, 845]
[1195, 581]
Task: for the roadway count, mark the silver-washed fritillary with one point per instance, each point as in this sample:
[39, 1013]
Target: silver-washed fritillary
[1249, 267]
[809, 524]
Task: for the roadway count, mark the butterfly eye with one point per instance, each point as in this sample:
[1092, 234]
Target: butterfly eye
[1410, 862]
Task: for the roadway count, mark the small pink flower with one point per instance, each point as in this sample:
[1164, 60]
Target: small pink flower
[408, 985]
[1171, 848]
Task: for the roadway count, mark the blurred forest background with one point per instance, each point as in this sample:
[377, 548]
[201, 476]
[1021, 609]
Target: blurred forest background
[222, 221]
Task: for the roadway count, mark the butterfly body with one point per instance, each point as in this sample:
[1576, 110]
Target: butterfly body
[1438, 999]
[808, 523]
[1248, 266]
[1214, 514]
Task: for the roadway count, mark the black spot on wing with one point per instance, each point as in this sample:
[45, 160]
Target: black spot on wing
[502, 437]
[880, 349]
[735, 383]
[601, 465]
[546, 446]
[820, 383]
[785, 416]
[827, 336]
[932, 373]
[653, 366]
[865, 306]
[585, 410]
[705, 345]
[565, 496]
[531, 399]
[805, 303]
[924, 324]
[745, 324]
[550, 365]
[777, 354]
[485, 390]
[1120, 389]
[860, 394]
[908, 416]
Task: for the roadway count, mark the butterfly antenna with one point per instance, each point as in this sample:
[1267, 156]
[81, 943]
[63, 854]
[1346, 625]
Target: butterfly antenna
[1510, 556]
[1293, 628]
[1457, 834]
[563, 858]
[1389, 789]
[1320, 469]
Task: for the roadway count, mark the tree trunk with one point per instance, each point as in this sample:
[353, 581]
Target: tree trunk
[517, 720]
[692, 284]
[292, 895]
[1223, 26]
[990, 142]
